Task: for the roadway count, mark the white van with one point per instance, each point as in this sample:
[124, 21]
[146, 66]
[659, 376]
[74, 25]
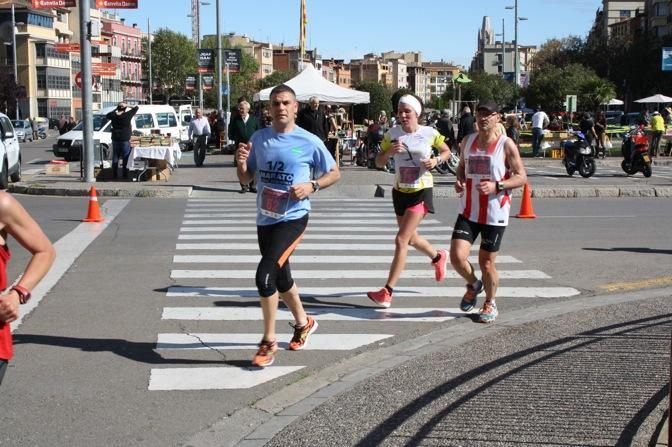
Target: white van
[148, 118]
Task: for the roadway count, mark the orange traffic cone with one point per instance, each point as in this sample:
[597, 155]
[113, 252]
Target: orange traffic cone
[94, 209]
[526, 210]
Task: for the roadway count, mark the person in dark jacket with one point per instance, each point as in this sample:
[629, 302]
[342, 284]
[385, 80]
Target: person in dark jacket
[445, 127]
[121, 135]
[467, 124]
[241, 128]
[314, 120]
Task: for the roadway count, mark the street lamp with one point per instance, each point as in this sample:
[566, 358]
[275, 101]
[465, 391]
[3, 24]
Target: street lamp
[16, 64]
[197, 16]
[516, 19]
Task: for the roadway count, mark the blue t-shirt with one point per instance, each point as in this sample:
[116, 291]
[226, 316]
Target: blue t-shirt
[280, 160]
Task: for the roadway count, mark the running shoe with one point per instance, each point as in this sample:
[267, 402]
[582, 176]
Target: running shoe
[265, 354]
[440, 265]
[381, 297]
[469, 299]
[488, 312]
[301, 333]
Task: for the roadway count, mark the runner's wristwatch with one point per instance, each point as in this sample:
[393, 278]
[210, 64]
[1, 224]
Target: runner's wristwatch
[500, 186]
[316, 185]
[24, 294]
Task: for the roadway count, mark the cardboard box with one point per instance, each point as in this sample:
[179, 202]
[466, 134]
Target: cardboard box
[154, 174]
[58, 168]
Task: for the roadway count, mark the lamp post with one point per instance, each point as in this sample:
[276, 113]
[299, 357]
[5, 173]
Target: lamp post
[198, 38]
[16, 69]
[516, 56]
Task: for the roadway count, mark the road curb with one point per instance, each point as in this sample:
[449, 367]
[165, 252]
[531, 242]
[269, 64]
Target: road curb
[267, 417]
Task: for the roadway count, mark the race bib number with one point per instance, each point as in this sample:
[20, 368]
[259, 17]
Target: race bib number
[409, 176]
[479, 166]
[274, 202]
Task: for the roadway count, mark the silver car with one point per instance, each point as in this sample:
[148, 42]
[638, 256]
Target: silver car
[23, 130]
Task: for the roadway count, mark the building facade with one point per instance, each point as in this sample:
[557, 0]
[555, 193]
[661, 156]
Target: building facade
[125, 42]
[262, 52]
[614, 11]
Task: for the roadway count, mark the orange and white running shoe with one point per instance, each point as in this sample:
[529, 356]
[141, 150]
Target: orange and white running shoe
[265, 354]
[301, 333]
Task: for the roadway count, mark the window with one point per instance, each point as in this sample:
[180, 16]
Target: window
[624, 13]
[40, 50]
[6, 127]
[144, 121]
[166, 119]
[662, 9]
[41, 77]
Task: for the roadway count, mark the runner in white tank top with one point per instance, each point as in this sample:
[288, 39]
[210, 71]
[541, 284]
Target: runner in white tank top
[490, 167]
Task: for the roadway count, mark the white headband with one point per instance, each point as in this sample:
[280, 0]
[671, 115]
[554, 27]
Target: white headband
[413, 102]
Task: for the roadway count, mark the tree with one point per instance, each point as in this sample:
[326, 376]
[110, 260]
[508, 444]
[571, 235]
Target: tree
[380, 97]
[275, 78]
[173, 59]
[550, 85]
[559, 53]
[488, 86]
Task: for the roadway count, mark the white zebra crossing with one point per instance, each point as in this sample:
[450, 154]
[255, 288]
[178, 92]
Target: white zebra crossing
[348, 234]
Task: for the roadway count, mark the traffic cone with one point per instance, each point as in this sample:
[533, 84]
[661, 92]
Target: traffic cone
[526, 210]
[94, 209]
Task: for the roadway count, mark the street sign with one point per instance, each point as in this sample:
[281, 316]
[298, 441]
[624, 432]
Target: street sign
[78, 79]
[53, 4]
[570, 103]
[104, 68]
[127, 4]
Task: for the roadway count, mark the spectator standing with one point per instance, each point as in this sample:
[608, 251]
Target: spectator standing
[62, 125]
[34, 129]
[242, 126]
[71, 124]
[283, 158]
[17, 223]
[199, 128]
[601, 134]
[314, 120]
[467, 124]
[121, 135]
[490, 167]
[540, 122]
[657, 130]
[513, 129]
[445, 127]
[587, 126]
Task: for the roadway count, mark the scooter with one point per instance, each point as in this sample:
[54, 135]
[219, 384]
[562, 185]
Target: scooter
[579, 155]
[635, 151]
[41, 133]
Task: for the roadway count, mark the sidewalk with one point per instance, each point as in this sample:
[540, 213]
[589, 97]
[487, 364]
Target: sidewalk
[583, 372]
[218, 174]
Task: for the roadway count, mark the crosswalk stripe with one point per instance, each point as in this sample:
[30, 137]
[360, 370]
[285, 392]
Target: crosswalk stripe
[317, 342]
[400, 291]
[315, 229]
[234, 273]
[252, 222]
[296, 259]
[313, 215]
[392, 315]
[308, 237]
[306, 247]
[214, 378]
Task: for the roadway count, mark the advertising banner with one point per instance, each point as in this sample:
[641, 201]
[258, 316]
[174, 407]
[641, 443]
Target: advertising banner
[208, 82]
[67, 47]
[206, 60]
[667, 59]
[232, 59]
[126, 4]
[190, 83]
[52, 4]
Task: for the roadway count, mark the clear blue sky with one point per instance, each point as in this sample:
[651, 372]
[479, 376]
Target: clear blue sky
[345, 29]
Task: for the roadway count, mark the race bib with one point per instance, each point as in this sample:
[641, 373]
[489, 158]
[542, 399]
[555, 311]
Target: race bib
[409, 176]
[479, 166]
[274, 202]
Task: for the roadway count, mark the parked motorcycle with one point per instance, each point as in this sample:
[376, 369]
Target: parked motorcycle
[579, 154]
[41, 133]
[635, 151]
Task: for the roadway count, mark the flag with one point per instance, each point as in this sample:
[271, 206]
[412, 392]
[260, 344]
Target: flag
[303, 20]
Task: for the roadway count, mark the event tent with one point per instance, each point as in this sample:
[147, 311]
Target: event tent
[655, 99]
[310, 83]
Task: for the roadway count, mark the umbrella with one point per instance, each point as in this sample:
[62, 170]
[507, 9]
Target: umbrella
[613, 102]
[658, 99]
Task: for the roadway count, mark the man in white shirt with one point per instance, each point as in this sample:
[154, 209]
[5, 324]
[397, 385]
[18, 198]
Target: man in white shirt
[539, 122]
[199, 127]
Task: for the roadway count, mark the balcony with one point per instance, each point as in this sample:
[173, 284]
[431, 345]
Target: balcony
[131, 79]
[131, 54]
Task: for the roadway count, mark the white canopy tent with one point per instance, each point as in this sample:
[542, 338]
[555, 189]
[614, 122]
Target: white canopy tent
[310, 83]
[613, 102]
[655, 99]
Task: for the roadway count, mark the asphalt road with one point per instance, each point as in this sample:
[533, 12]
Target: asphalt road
[88, 370]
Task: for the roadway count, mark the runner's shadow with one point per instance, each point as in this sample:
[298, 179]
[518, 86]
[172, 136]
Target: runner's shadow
[140, 352]
[644, 250]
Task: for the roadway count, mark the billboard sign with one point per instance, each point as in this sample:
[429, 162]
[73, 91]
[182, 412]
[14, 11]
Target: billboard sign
[206, 60]
[125, 4]
[232, 59]
[53, 4]
[190, 83]
[667, 59]
[208, 82]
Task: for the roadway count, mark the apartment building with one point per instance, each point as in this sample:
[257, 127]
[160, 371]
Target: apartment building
[262, 52]
[440, 76]
[418, 81]
[659, 17]
[123, 46]
[614, 11]
[342, 73]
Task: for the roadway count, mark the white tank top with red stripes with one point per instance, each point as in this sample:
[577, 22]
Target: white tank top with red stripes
[485, 165]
